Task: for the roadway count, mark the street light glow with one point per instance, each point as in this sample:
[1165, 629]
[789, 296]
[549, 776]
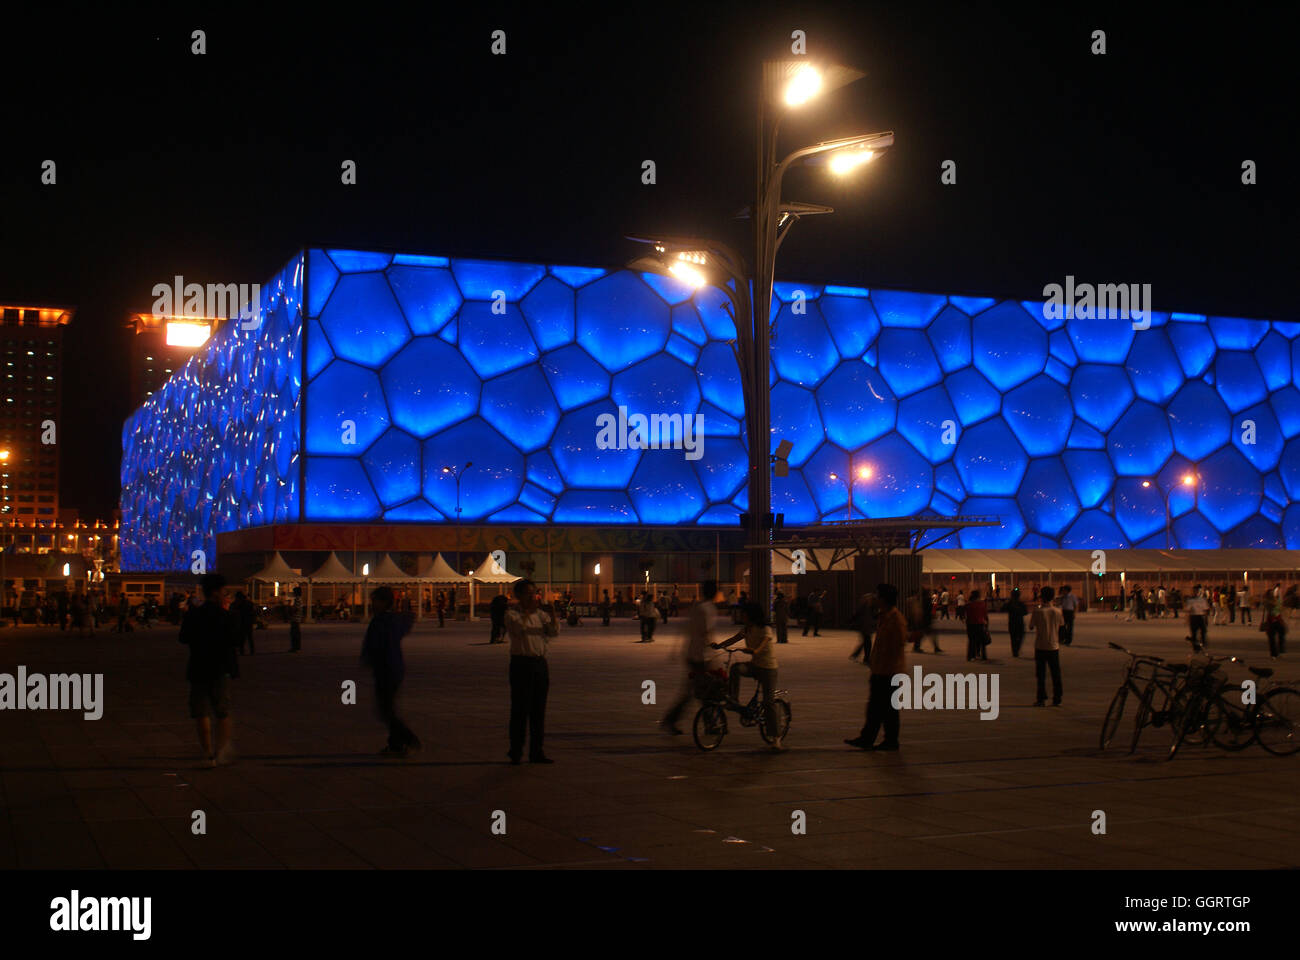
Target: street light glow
[864, 473]
[804, 85]
[844, 161]
[688, 274]
[1146, 483]
[1188, 480]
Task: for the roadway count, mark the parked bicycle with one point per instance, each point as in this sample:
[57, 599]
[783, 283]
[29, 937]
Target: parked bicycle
[1141, 672]
[710, 725]
[1221, 710]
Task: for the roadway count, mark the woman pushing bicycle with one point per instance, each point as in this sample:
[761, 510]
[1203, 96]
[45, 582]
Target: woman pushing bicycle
[760, 644]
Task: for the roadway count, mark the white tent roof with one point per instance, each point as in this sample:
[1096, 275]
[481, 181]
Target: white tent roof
[439, 570]
[333, 571]
[484, 574]
[277, 571]
[386, 570]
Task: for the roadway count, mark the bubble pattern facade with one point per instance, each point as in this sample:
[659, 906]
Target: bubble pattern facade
[956, 404]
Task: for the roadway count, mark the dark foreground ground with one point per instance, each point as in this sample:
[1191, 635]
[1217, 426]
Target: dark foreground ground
[310, 790]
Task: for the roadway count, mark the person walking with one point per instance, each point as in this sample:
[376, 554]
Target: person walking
[604, 609]
[699, 632]
[1015, 610]
[888, 659]
[781, 617]
[497, 612]
[921, 622]
[944, 613]
[1198, 609]
[209, 631]
[1244, 603]
[762, 666]
[440, 605]
[961, 605]
[381, 651]
[864, 618]
[1047, 622]
[977, 628]
[1273, 624]
[648, 614]
[241, 608]
[530, 627]
[816, 607]
[1069, 604]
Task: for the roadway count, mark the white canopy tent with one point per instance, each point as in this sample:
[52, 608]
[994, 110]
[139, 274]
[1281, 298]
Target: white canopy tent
[488, 573]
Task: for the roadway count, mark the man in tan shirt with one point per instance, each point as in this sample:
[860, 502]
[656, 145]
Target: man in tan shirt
[530, 627]
[888, 658]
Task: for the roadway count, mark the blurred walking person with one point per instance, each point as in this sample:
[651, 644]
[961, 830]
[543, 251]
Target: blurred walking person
[209, 631]
[381, 651]
[497, 613]
[241, 608]
[864, 618]
[699, 634]
[888, 658]
[647, 613]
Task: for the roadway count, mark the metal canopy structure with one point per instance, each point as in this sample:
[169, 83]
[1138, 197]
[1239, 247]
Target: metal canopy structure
[845, 539]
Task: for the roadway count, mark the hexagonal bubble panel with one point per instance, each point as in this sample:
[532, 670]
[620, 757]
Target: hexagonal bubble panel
[1193, 345]
[1231, 489]
[1274, 359]
[907, 361]
[520, 405]
[1255, 533]
[1286, 405]
[660, 385]
[543, 472]
[1238, 380]
[901, 480]
[972, 396]
[1194, 532]
[1140, 510]
[1040, 415]
[1101, 394]
[594, 506]
[1153, 366]
[672, 290]
[1046, 498]
[549, 310]
[898, 308]
[363, 321]
[1237, 333]
[423, 404]
[972, 305]
[666, 489]
[686, 323]
[429, 298]
[685, 351]
[1094, 529]
[535, 498]
[1061, 347]
[857, 406]
[950, 337]
[1091, 474]
[1101, 339]
[1004, 537]
[723, 468]
[1084, 436]
[493, 482]
[322, 275]
[717, 423]
[989, 460]
[575, 377]
[1256, 433]
[795, 418]
[947, 480]
[393, 465]
[802, 350]
[319, 353]
[852, 322]
[495, 342]
[621, 320]
[1140, 442]
[1199, 421]
[929, 423]
[482, 279]
[1008, 346]
[584, 457]
[345, 392]
[578, 276]
[1049, 319]
[338, 489]
[790, 496]
[720, 379]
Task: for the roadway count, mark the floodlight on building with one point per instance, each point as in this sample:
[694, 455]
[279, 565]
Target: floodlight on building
[181, 333]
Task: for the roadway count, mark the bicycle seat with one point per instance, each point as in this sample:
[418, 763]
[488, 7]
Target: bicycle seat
[1261, 671]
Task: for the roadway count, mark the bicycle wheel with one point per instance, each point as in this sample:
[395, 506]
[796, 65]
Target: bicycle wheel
[1232, 728]
[1153, 716]
[775, 722]
[1199, 728]
[1278, 721]
[710, 726]
[1110, 725]
[1184, 716]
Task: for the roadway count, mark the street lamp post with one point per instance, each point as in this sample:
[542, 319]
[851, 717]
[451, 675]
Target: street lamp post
[1190, 479]
[863, 473]
[457, 474]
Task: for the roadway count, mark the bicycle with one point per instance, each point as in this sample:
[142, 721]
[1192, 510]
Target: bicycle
[710, 724]
[1129, 685]
[1273, 720]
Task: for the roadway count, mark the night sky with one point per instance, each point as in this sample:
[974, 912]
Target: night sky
[1117, 168]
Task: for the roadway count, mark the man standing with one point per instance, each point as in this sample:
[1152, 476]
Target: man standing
[1198, 609]
[382, 652]
[604, 610]
[1069, 603]
[864, 618]
[1047, 622]
[645, 609]
[497, 613]
[242, 610]
[209, 631]
[888, 658]
[699, 628]
[530, 627]
[1015, 611]
[816, 607]
[943, 605]
[781, 616]
[1243, 602]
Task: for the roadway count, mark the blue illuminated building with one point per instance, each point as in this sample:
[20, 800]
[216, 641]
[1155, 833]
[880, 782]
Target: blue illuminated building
[365, 373]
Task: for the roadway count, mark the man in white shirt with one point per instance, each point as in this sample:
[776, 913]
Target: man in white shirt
[699, 634]
[1243, 603]
[1198, 609]
[529, 627]
[1046, 623]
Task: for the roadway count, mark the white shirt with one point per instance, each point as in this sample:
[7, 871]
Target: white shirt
[1197, 606]
[1069, 601]
[699, 631]
[529, 633]
[1046, 623]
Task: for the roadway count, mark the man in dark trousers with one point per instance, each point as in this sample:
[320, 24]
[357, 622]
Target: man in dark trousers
[1069, 603]
[497, 611]
[530, 626]
[209, 631]
[888, 658]
[242, 609]
[815, 608]
[781, 617]
[382, 652]
[604, 610]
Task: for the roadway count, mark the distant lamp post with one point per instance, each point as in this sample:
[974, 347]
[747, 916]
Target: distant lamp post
[862, 473]
[1189, 480]
[458, 474]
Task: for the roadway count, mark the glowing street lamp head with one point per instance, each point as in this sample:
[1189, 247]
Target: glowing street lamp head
[845, 161]
[685, 271]
[864, 473]
[1188, 479]
[1146, 483]
[803, 86]
[835, 476]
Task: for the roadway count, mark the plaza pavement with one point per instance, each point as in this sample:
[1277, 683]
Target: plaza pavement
[310, 791]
